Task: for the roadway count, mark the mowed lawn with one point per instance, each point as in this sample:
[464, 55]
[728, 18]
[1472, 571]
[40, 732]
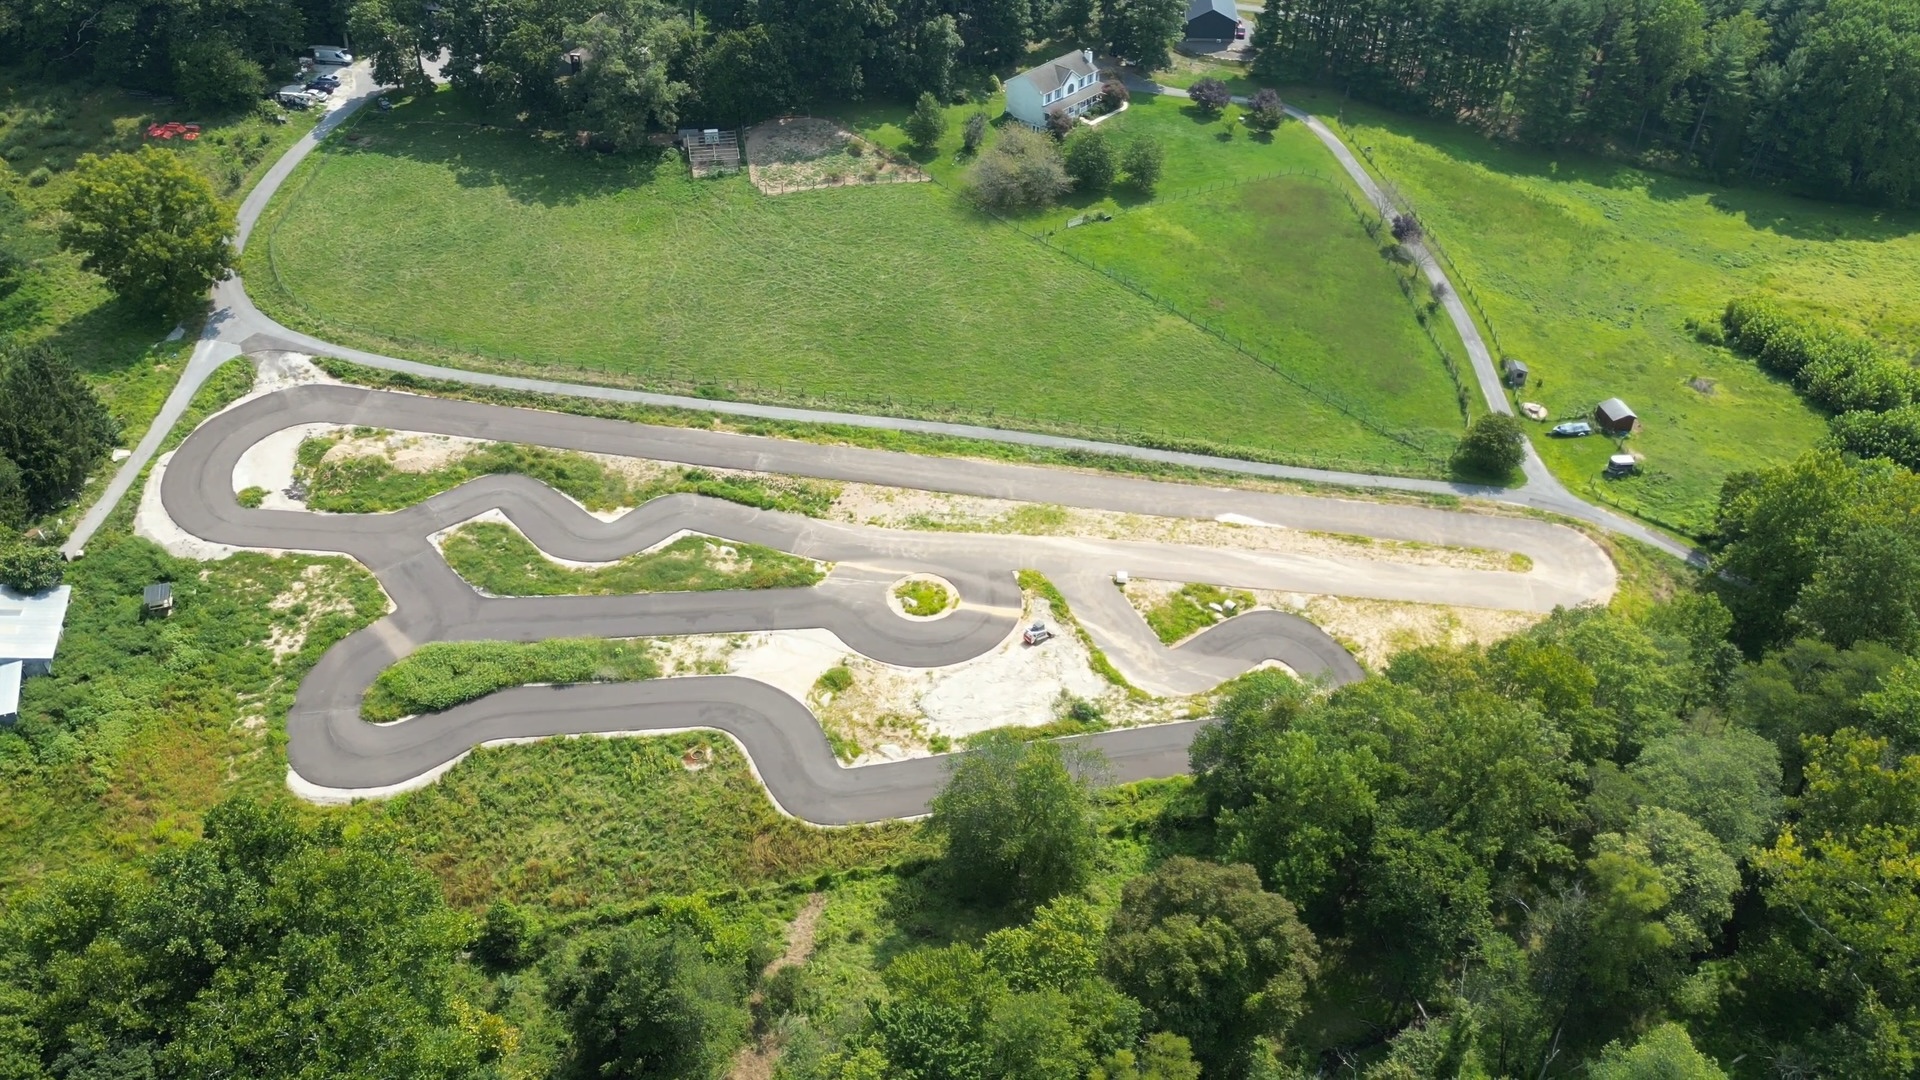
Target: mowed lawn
[440, 237]
[1590, 271]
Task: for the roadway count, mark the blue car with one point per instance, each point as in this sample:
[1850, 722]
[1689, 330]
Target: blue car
[1572, 429]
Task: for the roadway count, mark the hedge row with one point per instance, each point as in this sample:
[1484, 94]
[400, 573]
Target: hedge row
[1836, 368]
[1873, 396]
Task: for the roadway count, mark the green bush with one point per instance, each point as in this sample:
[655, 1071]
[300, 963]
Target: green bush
[30, 568]
[1492, 448]
[1894, 434]
[252, 497]
[39, 177]
[1834, 367]
[1186, 612]
[834, 679]
[922, 597]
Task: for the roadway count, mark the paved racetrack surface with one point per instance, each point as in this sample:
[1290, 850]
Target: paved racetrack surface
[329, 746]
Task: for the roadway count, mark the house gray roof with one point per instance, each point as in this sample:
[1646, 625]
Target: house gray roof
[1201, 7]
[1614, 409]
[30, 625]
[1056, 72]
[157, 595]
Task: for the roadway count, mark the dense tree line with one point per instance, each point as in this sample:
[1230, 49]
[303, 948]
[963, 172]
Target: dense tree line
[648, 63]
[265, 949]
[214, 56]
[1822, 93]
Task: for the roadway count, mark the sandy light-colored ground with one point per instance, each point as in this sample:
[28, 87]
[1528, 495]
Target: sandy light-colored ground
[1373, 630]
[903, 508]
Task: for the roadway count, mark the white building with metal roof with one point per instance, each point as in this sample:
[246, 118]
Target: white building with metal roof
[29, 634]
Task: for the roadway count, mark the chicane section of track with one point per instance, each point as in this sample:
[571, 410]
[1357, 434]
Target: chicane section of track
[330, 746]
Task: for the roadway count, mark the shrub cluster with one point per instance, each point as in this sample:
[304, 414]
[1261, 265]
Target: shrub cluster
[1872, 394]
[1023, 170]
[1837, 369]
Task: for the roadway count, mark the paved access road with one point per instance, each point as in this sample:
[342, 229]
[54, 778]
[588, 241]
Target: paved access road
[236, 326]
[331, 747]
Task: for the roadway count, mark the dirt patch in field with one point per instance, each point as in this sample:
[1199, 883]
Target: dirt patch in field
[1375, 630]
[803, 153]
[1372, 630]
[756, 1062]
[311, 596]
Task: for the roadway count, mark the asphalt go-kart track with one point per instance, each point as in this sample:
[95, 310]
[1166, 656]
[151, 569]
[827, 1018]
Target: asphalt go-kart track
[333, 753]
[331, 747]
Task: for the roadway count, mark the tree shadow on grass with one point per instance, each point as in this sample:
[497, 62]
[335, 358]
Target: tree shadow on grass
[920, 911]
[1771, 209]
[111, 338]
[532, 166]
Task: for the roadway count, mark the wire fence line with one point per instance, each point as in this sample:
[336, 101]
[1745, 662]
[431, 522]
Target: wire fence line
[1461, 282]
[670, 377]
[1372, 222]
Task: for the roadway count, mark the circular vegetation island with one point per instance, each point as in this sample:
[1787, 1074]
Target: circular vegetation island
[924, 596]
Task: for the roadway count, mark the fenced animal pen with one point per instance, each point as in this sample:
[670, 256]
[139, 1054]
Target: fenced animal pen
[711, 150]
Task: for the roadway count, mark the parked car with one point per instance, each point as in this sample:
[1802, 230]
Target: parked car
[1240, 32]
[332, 54]
[326, 84]
[1572, 429]
[1036, 634]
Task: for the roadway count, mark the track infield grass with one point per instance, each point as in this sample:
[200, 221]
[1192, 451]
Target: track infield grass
[429, 234]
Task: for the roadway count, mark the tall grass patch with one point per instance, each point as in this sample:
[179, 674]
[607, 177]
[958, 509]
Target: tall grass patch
[442, 674]
[500, 560]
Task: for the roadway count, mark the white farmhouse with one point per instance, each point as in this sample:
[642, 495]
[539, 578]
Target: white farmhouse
[1068, 84]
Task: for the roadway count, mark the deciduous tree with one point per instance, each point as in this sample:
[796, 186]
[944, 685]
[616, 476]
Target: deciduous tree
[151, 226]
[645, 1004]
[29, 568]
[1265, 110]
[1090, 161]
[1214, 957]
[926, 123]
[1494, 446]
[1022, 170]
[1142, 162]
[1018, 821]
[1210, 94]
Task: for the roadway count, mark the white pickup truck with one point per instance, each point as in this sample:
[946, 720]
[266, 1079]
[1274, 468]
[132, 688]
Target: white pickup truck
[296, 96]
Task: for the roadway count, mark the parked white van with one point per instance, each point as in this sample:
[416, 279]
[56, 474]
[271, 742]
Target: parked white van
[331, 54]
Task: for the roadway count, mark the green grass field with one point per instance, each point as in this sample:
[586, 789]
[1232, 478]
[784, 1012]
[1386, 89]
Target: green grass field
[489, 247]
[1588, 271]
